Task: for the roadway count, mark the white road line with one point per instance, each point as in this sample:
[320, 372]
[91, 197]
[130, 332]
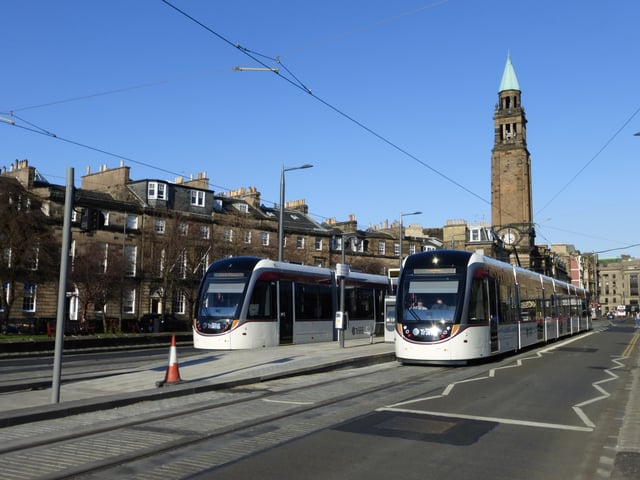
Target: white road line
[285, 401]
[508, 421]
[519, 362]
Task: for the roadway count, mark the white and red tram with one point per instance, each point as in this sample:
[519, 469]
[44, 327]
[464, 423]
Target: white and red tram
[455, 306]
[250, 302]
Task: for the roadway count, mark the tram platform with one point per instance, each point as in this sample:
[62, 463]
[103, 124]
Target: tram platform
[210, 370]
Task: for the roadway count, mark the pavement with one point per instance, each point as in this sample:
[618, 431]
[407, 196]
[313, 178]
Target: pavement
[208, 371]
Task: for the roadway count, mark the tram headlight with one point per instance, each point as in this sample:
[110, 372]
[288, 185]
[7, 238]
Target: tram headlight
[446, 332]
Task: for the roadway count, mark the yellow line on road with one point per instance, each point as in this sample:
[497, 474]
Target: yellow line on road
[632, 343]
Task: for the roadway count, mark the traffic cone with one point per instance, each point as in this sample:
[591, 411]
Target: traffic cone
[173, 374]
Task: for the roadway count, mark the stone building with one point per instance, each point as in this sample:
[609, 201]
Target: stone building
[163, 234]
[618, 284]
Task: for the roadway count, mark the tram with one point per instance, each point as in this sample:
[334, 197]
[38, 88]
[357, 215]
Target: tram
[250, 302]
[456, 306]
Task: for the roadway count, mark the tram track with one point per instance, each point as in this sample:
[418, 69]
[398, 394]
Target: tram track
[188, 436]
[113, 442]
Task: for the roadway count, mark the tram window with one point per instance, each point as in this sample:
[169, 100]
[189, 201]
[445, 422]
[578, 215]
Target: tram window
[359, 303]
[262, 304]
[313, 302]
[507, 303]
[527, 304]
[478, 303]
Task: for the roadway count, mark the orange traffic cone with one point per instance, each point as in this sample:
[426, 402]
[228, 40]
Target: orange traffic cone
[173, 374]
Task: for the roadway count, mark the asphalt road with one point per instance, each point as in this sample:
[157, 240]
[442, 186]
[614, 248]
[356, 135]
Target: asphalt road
[551, 413]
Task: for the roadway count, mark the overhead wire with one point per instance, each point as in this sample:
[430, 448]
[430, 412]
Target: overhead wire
[340, 112]
[584, 167]
[117, 90]
[368, 26]
[606, 144]
[298, 84]
[41, 131]
[210, 72]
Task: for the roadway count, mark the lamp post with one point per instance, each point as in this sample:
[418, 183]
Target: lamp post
[342, 271]
[400, 236]
[281, 219]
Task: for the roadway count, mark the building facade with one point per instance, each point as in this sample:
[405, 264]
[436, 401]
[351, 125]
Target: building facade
[618, 285]
[140, 247]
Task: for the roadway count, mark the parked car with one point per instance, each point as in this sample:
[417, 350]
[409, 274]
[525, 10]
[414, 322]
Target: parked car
[156, 323]
[31, 326]
[610, 316]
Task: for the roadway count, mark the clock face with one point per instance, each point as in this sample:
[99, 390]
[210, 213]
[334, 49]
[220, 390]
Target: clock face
[510, 236]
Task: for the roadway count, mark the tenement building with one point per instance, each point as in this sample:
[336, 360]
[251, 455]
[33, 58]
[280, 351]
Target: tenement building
[141, 246]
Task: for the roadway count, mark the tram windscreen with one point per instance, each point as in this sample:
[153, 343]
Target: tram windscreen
[219, 305]
[438, 297]
[428, 308]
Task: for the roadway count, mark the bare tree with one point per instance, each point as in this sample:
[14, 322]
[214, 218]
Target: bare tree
[96, 272]
[181, 249]
[28, 250]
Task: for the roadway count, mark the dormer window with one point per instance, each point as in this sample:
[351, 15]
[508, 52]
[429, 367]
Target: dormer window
[241, 207]
[197, 198]
[156, 191]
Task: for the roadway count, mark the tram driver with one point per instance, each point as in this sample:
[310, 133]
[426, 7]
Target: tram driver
[419, 305]
[439, 305]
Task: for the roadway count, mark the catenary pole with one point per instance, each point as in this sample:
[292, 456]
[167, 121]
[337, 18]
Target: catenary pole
[62, 288]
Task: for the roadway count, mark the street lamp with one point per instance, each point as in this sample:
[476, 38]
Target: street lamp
[281, 219]
[342, 271]
[404, 215]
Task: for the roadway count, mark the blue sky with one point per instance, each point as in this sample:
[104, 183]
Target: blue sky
[399, 119]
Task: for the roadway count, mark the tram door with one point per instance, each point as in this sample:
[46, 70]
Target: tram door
[285, 320]
[493, 314]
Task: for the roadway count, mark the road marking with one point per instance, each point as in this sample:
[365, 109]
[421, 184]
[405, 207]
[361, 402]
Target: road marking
[631, 346]
[578, 407]
[508, 421]
[519, 363]
[285, 401]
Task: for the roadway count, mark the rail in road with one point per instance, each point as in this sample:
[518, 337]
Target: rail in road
[545, 414]
[222, 424]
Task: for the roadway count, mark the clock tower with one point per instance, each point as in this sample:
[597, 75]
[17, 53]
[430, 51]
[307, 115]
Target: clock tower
[511, 205]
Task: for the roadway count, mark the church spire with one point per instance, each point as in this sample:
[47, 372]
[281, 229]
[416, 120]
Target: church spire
[509, 79]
